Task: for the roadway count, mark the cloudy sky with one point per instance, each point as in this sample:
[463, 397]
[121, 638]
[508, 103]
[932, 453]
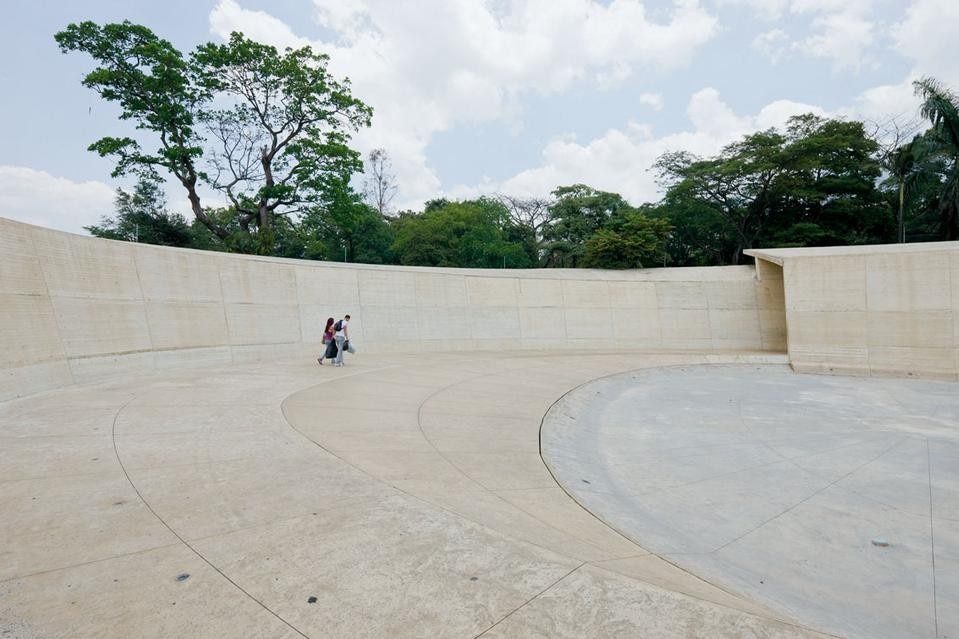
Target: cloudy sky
[483, 96]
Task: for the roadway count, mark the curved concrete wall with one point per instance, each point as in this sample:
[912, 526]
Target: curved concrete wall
[76, 309]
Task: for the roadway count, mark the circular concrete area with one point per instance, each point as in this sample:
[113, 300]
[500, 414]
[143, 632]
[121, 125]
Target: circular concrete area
[834, 500]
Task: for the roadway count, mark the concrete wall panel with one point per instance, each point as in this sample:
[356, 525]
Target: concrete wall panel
[835, 283]
[492, 291]
[682, 295]
[633, 295]
[637, 325]
[384, 324]
[386, 288]
[586, 294]
[335, 289]
[435, 291]
[75, 266]
[187, 324]
[541, 293]
[495, 324]
[263, 323]
[91, 327]
[543, 323]
[870, 310]
[20, 270]
[167, 274]
[589, 323]
[262, 281]
[904, 282]
[441, 323]
[30, 334]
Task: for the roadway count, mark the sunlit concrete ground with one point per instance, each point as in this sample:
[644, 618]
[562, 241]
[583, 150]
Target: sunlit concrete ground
[398, 496]
[832, 499]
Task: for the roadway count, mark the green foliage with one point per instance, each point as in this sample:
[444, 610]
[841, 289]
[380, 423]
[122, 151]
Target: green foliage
[629, 240]
[141, 216]
[467, 234]
[940, 144]
[344, 228]
[577, 213]
[269, 130]
[814, 184]
[154, 87]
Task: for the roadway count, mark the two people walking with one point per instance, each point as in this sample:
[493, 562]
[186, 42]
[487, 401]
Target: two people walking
[336, 336]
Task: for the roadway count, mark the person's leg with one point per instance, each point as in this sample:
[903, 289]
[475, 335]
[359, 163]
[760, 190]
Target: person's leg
[339, 350]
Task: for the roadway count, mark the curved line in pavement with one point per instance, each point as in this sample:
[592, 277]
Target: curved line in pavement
[614, 528]
[116, 452]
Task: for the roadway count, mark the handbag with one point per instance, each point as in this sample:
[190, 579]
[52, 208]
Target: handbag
[348, 347]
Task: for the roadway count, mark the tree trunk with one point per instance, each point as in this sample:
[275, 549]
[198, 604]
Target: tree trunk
[199, 213]
[902, 201]
[264, 231]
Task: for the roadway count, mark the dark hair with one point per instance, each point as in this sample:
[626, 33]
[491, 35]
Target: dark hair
[346, 317]
[329, 322]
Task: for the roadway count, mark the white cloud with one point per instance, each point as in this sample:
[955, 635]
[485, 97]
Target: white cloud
[228, 16]
[775, 114]
[620, 160]
[881, 103]
[927, 35]
[841, 31]
[428, 65]
[772, 44]
[652, 100]
[766, 9]
[36, 197]
[844, 37]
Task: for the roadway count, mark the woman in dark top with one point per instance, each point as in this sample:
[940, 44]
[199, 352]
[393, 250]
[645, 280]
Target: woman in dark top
[328, 340]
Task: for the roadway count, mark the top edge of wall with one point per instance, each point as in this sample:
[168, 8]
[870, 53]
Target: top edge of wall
[778, 255]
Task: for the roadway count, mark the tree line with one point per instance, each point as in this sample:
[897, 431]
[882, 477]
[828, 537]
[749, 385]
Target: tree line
[266, 134]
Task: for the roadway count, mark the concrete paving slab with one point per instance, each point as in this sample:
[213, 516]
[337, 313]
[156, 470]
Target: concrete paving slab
[134, 596]
[815, 496]
[390, 568]
[635, 610]
[63, 521]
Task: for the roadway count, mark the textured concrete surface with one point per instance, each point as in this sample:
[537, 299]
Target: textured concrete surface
[776, 485]
[869, 310]
[400, 496]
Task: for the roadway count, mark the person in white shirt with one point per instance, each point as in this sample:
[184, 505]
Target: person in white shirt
[341, 336]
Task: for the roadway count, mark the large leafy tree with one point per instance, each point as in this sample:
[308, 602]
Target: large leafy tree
[812, 184]
[142, 216]
[577, 212]
[630, 239]
[344, 228]
[529, 215]
[941, 143]
[739, 184]
[466, 234]
[828, 191]
[269, 130]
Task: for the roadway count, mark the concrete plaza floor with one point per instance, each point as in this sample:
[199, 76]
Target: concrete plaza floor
[398, 496]
[832, 499]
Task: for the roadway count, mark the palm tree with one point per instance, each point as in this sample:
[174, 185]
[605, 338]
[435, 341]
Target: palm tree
[913, 168]
[941, 107]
